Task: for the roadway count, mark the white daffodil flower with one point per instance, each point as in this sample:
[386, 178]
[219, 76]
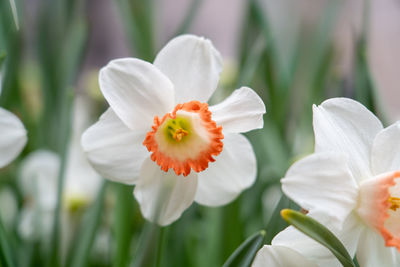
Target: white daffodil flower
[12, 137]
[8, 206]
[280, 256]
[160, 134]
[38, 184]
[350, 184]
[38, 180]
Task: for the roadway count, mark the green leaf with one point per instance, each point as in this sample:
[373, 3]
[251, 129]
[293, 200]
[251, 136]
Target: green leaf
[189, 17]
[276, 224]
[7, 258]
[65, 131]
[245, 253]
[14, 12]
[123, 225]
[319, 233]
[2, 57]
[87, 231]
[137, 17]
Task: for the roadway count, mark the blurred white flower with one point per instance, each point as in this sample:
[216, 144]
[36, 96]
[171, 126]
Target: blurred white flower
[350, 184]
[162, 107]
[39, 178]
[12, 137]
[82, 183]
[8, 206]
[38, 184]
[280, 256]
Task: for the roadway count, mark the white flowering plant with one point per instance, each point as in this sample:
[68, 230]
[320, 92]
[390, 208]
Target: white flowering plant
[128, 138]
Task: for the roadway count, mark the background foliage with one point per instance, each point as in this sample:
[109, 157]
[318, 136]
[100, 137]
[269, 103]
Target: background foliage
[40, 82]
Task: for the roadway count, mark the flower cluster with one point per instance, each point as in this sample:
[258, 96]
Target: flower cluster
[351, 184]
[161, 135]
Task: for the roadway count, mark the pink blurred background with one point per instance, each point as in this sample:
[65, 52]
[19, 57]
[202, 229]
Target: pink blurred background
[221, 20]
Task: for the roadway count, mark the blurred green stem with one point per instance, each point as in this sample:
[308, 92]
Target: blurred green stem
[14, 12]
[252, 61]
[232, 233]
[160, 246]
[137, 17]
[7, 257]
[65, 129]
[123, 224]
[87, 231]
[189, 17]
[146, 255]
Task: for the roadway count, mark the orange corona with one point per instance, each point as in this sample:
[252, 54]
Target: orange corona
[185, 139]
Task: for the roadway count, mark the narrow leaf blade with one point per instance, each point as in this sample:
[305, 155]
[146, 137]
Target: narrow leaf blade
[319, 233]
[7, 258]
[14, 12]
[245, 253]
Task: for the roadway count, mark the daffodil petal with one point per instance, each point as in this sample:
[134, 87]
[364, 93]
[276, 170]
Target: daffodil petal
[279, 256]
[241, 112]
[136, 91]
[311, 249]
[163, 196]
[344, 125]
[385, 150]
[193, 65]
[372, 252]
[322, 182]
[233, 171]
[35, 223]
[115, 151]
[12, 137]
[8, 206]
[38, 177]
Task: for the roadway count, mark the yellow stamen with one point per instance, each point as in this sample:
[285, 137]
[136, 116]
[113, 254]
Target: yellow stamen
[179, 134]
[395, 201]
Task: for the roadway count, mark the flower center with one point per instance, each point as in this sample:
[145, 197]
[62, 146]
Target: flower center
[177, 129]
[395, 203]
[185, 139]
[379, 202]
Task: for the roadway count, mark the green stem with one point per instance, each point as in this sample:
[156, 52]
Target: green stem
[189, 18]
[160, 246]
[64, 134]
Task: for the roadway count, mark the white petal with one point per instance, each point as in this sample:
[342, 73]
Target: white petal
[80, 177]
[322, 182]
[385, 150]
[35, 223]
[26, 226]
[278, 256]
[193, 65]
[136, 91]
[114, 150]
[38, 178]
[8, 206]
[241, 112]
[372, 252]
[346, 126]
[12, 137]
[164, 196]
[233, 171]
[294, 239]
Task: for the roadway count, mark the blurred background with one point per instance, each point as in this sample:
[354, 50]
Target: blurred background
[56, 211]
